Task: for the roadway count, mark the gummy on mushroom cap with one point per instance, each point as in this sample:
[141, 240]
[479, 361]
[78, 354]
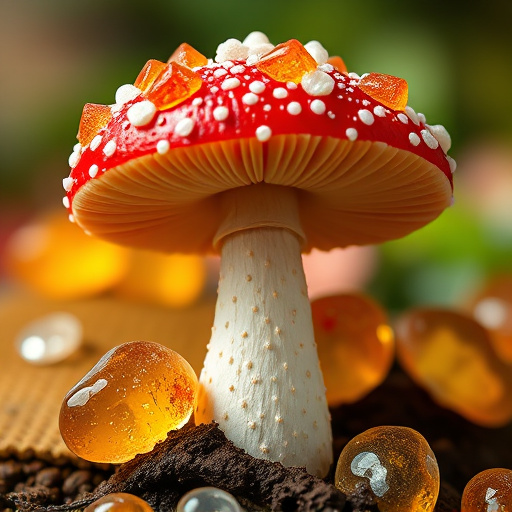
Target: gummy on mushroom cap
[261, 154]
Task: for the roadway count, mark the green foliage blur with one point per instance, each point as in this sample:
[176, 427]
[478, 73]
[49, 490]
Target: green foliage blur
[57, 55]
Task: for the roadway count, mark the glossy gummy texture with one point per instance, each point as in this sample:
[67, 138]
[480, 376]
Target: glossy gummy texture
[488, 491]
[128, 402]
[396, 464]
[119, 502]
[208, 499]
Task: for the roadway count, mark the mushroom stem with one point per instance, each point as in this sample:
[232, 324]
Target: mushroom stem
[261, 379]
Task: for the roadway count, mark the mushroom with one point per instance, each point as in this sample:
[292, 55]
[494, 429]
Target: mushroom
[259, 154]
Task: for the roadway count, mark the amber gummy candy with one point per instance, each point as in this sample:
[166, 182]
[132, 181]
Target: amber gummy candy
[149, 74]
[338, 63]
[287, 62]
[451, 356]
[56, 259]
[188, 56]
[355, 345]
[492, 307]
[128, 402]
[389, 90]
[488, 491]
[94, 118]
[119, 502]
[397, 466]
[174, 84]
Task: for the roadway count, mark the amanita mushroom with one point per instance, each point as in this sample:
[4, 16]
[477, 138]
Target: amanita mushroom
[259, 155]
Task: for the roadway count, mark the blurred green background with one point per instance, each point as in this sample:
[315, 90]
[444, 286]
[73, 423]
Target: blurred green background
[57, 55]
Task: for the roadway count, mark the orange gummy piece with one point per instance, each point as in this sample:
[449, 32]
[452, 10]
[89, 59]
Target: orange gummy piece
[355, 345]
[128, 402]
[389, 90]
[396, 464]
[174, 84]
[188, 56]
[489, 490]
[148, 74]
[120, 502]
[452, 357]
[287, 62]
[338, 63]
[94, 118]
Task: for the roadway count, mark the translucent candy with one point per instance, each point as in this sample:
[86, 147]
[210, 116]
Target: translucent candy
[119, 502]
[94, 118]
[355, 345]
[55, 258]
[338, 63]
[208, 499]
[492, 307]
[174, 84]
[170, 279]
[451, 355]
[50, 339]
[287, 62]
[188, 56]
[149, 74]
[389, 90]
[128, 402]
[397, 466]
[489, 491]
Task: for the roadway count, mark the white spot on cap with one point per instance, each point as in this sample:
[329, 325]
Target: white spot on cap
[414, 138]
[237, 69]
[429, 139]
[220, 113]
[263, 133]
[452, 163]
[163, 146]
[197, 101]
[412, 115]
[351, 134]
[294, 108]
[317, 51]
[442, 135]
[65, 202]
[280, 93]
[403, 118]
[291, 85]
[257, 87]
[68, 183]
[96, 142]
[220, 72]
[93, 170]
[366, 116]
[77, 147]
[71, 218]
[110, 148]
[250, 98]
[318, 107]
[379, 111]
[256, 38]
[74, 158]
[126, 93]
[230, 83]
[142, 113]
[318, 83]
[232, 49]
[184, 127]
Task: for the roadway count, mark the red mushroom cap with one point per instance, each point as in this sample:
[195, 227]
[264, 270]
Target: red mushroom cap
[364, 171]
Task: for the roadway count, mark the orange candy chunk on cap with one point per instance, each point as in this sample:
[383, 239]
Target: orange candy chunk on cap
[174, 84]
[389, 90]
[287, 62]
[149, 74]
[188, 56]
[94, 118]
[338, 63]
